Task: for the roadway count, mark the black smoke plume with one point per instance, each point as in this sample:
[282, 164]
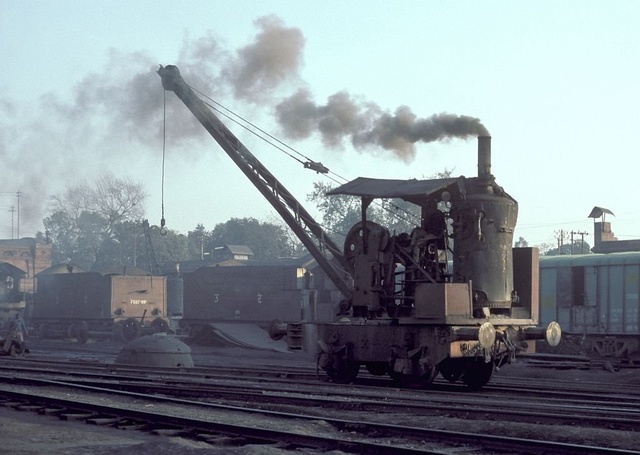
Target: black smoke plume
[112, 116]
[366, 125]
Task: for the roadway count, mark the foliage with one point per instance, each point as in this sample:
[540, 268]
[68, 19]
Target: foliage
[99, 226]
[341, 212]
[196, 241]
[84, 221]
[578, 247]
[266, 240]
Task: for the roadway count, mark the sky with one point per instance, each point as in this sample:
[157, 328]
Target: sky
[554, 83]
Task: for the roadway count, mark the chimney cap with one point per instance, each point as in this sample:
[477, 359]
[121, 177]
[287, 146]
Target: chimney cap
[598, 212]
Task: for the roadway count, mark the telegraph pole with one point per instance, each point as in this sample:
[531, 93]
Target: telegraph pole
[18, 195]
[12, 209]
[560, 237]
[581, 234]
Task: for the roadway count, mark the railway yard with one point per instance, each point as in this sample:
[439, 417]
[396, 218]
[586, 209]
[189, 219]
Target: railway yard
[73, 399]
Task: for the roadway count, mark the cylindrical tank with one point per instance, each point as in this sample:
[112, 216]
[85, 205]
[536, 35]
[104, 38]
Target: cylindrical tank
[175, 299]
[484, 218]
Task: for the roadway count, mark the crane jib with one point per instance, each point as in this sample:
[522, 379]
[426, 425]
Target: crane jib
[287, 206]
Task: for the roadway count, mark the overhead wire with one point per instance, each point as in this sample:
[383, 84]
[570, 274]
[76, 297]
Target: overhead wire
[264, 135]
[163, 222]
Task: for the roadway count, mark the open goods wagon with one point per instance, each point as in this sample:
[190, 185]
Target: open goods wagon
[89, 304]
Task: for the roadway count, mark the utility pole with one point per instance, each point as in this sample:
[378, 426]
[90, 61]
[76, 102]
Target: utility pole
[581, 234]
[12, 209]
[18, 195]
[560, 236]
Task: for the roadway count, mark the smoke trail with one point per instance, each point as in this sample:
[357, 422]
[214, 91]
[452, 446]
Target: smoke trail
[263, 66]
[116, 114]
[367, 125]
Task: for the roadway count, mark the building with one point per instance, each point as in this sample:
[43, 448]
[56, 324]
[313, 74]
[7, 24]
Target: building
[232, 252]
[603, 238]
[27, 255]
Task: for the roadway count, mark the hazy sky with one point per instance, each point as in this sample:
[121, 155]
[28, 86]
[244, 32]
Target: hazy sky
[554, 83]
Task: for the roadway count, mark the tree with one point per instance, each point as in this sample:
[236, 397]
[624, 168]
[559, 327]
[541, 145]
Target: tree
[341, 212]
[85, 221]
[266, 240]
[297, 247]
[196, 242]
[521, 243]
[170, 247]
[578, 247]
[114, 200]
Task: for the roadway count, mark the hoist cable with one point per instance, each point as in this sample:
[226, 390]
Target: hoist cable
[270, 139]
[163, 229]
[252, 128]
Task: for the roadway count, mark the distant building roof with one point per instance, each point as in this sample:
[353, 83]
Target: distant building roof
[238, 249]
[62, 268]
[125, 270]
[10, 269]
[23, 242]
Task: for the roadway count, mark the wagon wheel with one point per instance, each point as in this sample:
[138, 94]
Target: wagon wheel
[79, 331]
[422, 378]
[159, 325]
[130, 329]
[338, 366]
[478, 374]
[343, 371]
[82, 335]
[195, 332]
[126, 330]
[377, 369]
[451, 369]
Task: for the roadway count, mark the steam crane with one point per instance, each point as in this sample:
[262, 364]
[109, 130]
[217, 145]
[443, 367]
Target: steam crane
[293, 213]
[450, 297]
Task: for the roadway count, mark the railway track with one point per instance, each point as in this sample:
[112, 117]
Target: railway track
[262, 389]
[566, 411]
[306, 373]
[618, 410]
[206, 421]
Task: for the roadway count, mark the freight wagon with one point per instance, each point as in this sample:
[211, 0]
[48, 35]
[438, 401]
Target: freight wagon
[90, 304]
[255, 294]
[595, 298]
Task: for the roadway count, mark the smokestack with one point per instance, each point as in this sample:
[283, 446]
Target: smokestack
[484, 157]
